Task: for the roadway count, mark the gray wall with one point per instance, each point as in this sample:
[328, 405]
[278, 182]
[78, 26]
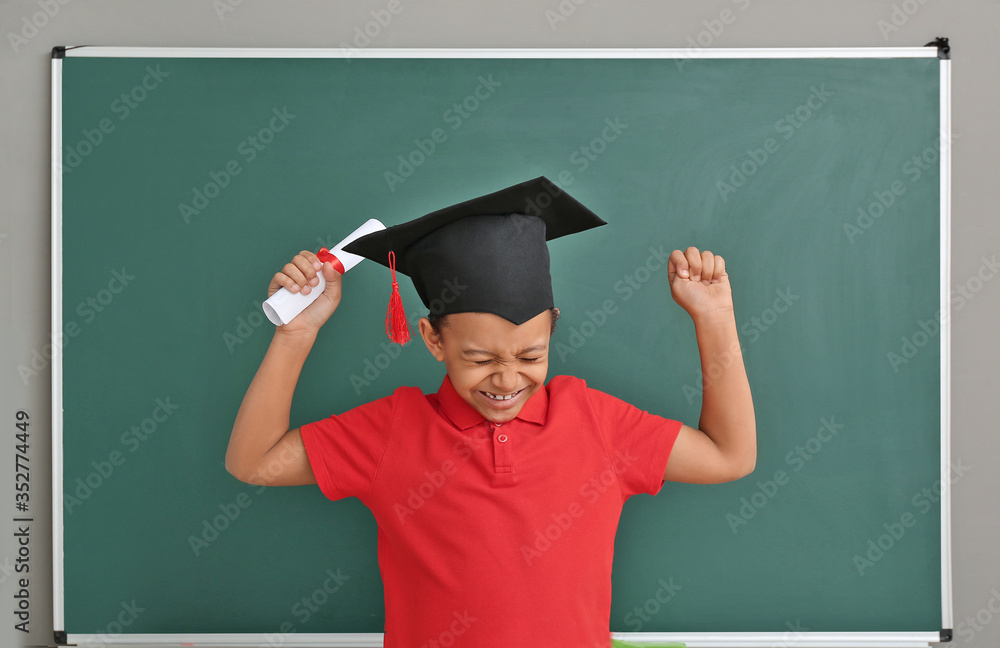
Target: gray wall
[971, 26]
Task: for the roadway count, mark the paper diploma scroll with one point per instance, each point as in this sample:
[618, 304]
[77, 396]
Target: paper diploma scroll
[284, 305]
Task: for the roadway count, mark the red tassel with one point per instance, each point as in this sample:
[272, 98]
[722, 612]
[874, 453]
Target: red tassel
[395, 319]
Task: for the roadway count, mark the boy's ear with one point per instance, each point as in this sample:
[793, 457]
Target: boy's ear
[431, 339]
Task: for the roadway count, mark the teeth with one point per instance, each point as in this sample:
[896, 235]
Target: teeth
[496, 397]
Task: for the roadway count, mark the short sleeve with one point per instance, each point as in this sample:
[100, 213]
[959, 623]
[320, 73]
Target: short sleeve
[345, 450]
[639, 443]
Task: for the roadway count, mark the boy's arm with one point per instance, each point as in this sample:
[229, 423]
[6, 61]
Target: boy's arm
[724, 448]
[262, 450]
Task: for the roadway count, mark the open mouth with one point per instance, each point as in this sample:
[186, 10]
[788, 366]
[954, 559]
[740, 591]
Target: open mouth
[501, 397]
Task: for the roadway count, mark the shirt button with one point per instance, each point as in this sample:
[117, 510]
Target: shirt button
[502, 438]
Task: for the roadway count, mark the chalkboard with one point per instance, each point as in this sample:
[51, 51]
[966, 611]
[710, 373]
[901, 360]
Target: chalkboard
[186, 179]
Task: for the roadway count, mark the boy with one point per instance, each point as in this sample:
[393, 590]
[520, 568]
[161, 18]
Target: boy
[522, 482]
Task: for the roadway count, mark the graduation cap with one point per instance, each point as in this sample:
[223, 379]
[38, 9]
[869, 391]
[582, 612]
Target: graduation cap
[487, 254]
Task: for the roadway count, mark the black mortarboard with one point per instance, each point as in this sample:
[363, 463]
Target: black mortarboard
[487, 254]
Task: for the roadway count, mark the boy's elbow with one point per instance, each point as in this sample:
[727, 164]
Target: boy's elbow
[742, 466]
[231, 465]
[746, 466]
[238, 465]
[239, 472]
[234, 471]
[747, 460]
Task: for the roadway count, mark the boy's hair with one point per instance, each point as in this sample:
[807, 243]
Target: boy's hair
[440, 321]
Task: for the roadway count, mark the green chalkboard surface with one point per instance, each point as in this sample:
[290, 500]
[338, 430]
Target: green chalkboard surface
[189, 181]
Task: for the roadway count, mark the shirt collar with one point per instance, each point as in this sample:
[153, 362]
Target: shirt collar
[465, 416]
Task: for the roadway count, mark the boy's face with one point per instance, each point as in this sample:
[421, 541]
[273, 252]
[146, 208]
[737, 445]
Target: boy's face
[493, 364]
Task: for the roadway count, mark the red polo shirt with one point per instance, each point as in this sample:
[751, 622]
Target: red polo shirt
[494, 535]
